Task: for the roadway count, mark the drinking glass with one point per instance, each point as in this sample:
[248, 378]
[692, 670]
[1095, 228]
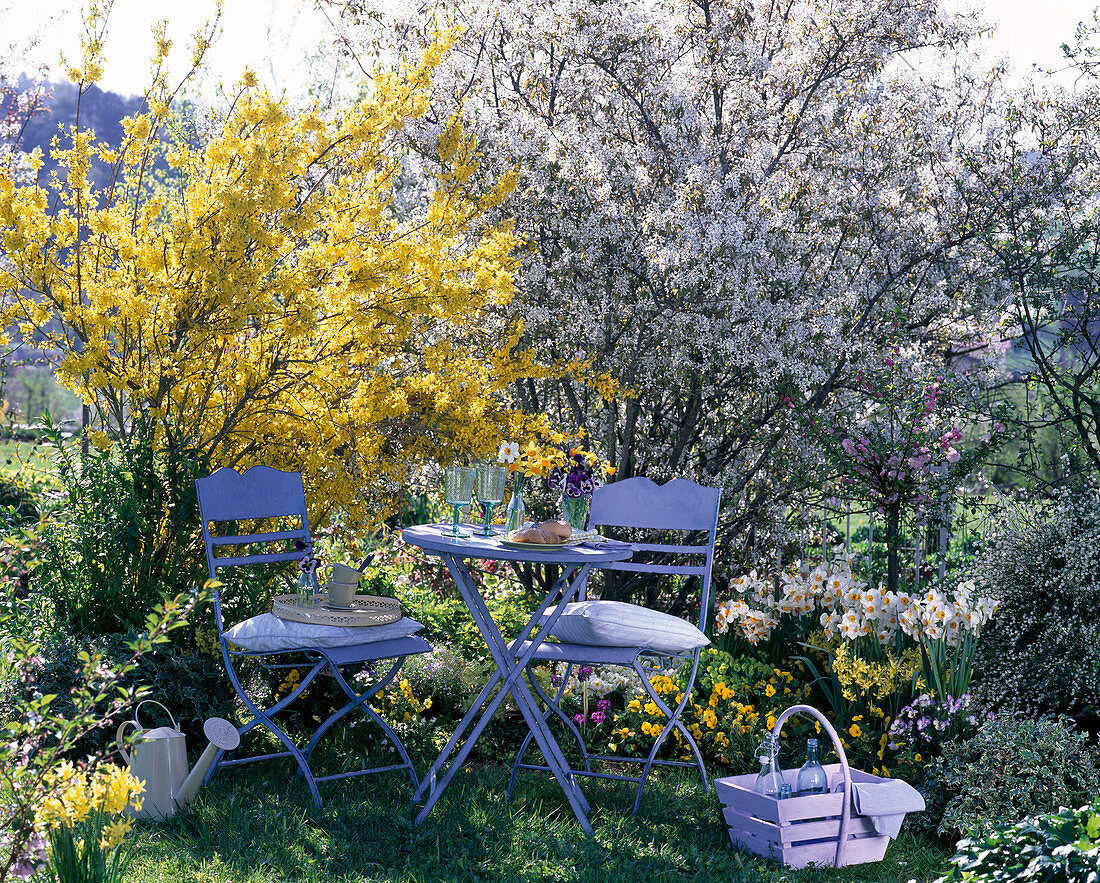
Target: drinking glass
[490, 490]
[458, 487]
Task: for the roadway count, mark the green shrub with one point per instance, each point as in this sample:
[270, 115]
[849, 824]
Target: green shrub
[1062, 847]
[442, 677]
[1010, 769]
[1040, 653]
[192, 686]
[19, 500]
[126, 536]
[737, 673]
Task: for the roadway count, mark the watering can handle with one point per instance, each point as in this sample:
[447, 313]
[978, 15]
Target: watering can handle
[137, 710]
[121, 744]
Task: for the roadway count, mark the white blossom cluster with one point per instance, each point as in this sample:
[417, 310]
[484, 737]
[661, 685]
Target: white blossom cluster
[723, 202]
[18, 101]
[849, 609]
[602, 680]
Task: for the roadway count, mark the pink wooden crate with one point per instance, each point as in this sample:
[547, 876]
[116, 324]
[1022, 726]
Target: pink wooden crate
[799, 831]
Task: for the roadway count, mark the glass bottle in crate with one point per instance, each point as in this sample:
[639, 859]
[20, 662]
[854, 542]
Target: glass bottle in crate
[812, 778]
[770, 780]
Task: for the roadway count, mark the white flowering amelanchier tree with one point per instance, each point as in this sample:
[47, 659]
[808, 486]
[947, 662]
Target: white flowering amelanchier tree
[1045, 237]
[725, 203]
[20, 97]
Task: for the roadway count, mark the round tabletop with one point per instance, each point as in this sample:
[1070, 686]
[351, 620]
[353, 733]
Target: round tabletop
[434, 538]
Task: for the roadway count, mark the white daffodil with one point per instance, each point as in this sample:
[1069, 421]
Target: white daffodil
[508, 452]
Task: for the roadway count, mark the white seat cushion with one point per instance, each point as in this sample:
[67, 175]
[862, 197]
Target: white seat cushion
[267, 633]
[617, 624]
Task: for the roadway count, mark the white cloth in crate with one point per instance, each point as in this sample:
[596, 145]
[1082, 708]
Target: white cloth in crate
[886, 803]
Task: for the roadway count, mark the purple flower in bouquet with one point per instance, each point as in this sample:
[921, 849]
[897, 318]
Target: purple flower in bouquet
[579, 476]
[308, 564]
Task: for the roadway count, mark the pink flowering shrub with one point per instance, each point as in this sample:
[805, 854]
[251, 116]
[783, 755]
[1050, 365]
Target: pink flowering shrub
[895, 444]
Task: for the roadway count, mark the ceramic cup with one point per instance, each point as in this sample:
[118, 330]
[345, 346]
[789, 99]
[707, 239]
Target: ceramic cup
[342, 583]
[341, 573]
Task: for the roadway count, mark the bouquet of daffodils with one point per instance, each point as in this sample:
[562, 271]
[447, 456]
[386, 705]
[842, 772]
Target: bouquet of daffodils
[532, 460]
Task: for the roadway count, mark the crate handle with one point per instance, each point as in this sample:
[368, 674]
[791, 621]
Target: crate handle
[845, 812]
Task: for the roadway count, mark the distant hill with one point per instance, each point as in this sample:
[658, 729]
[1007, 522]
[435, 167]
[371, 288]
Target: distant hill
[99, 110]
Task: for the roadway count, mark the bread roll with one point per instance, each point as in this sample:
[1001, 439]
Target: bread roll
[534, 535]
[561, 529]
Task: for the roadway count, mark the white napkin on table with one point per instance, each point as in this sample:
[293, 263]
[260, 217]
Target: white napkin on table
[583, 536]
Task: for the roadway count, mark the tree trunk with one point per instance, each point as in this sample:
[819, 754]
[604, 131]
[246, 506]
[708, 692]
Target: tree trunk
[893, 525]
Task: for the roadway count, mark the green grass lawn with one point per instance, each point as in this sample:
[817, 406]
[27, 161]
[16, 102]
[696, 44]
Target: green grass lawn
[258, 824]
[28, 458]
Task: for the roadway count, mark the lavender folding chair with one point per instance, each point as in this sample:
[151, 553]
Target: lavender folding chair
[275, 501]
[680, 506]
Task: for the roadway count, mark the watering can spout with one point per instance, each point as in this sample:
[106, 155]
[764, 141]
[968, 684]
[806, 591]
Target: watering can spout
[222, 736]
[159, 759]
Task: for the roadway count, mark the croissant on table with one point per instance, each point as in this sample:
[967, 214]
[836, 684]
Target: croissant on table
[545, 533]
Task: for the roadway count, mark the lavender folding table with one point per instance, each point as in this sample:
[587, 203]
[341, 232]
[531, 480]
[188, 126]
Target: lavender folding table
[576, 562]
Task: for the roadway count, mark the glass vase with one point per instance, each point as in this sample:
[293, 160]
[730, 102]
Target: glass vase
[304, 594]
[575, 510]
[517, 511]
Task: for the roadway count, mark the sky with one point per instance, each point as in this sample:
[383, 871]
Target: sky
[275, 38]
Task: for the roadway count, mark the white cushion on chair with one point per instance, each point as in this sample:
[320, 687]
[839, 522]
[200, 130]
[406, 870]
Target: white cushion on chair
[618, 624]
[267, 633]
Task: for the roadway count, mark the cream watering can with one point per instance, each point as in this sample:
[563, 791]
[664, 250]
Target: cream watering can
[159, 758]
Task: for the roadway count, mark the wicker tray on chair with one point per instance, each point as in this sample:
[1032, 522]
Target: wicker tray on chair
[366, 610]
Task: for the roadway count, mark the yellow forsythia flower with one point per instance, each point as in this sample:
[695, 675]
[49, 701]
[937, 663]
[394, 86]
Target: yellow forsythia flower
[277, 302]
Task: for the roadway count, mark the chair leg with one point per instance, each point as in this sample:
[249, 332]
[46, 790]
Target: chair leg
[551, 706]
[357, 700]
[360, 700]
[262, 717]
[673, 718]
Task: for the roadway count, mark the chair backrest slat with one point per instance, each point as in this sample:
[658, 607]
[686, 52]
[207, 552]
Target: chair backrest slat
[679, 505]
[666, 547]
[657, 568]
[259, 493]
[272, 537]
[639, 502]
[274, 558]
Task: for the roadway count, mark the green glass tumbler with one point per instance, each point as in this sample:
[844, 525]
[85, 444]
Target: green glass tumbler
[489, 490]
[458, 488]
[575, 511]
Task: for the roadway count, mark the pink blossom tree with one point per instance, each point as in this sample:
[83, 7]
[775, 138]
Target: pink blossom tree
[894, 443]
